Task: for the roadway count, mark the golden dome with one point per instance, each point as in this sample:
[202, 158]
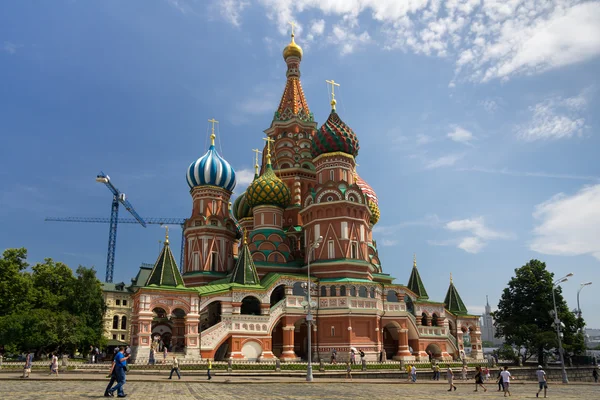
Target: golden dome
[292, 49]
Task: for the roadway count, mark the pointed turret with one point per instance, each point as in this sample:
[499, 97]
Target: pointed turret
[415, 283]
[453, 302]
[244, 271]
[165, 271]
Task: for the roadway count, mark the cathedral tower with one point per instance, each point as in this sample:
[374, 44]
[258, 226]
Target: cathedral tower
[210, 232]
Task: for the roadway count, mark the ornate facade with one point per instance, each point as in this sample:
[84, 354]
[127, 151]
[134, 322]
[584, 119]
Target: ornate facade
[241, 294]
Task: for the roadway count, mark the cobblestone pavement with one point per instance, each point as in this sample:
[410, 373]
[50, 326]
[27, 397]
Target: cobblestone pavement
[152, 390]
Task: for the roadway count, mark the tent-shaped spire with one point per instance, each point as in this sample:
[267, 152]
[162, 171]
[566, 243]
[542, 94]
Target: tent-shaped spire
[165, 271]
[415, 283]
[244, 271]
[453, 302]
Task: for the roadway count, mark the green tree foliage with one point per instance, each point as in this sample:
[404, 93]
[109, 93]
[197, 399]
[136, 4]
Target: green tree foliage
[49, 308]
[524, 317]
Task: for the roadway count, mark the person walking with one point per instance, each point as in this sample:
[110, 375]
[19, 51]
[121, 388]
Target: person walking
[352, 357]
[436, 373]
[505, 376]
[408, 369]
[54, 365]
[96, 355]
[450, 376]
[486, 374]
[479, 379]
[595, 374]
[413, 373]
[175, 368]
[28, 363]
[348, 370]
[465, 371]
[165, 353]
[500, 383]
[334, 356]
[208, 369]
[112, 374]
[151, 359]
[541, 375]
[362, 355]
[91, 354]
[120, 367]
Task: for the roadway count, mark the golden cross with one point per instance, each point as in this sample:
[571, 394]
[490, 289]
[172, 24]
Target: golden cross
[167, 234]
[293, 25]
[257, 151]
[212, 135]
[450, 277]
[333, 85]
[415, 260]
[269, 141]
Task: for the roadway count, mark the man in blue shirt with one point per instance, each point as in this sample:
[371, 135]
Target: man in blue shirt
[120, 367]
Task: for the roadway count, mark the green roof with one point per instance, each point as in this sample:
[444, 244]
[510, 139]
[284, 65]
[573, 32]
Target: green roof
[142, 276]
[244, 271]
[346, 280]
[165, 272]
[453, 302]
[415, 284]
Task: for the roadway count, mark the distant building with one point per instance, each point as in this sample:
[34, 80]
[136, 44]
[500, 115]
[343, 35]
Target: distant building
[488, 330]
[593, 338]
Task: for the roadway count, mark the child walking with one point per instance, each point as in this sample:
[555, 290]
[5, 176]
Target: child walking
[348, 370]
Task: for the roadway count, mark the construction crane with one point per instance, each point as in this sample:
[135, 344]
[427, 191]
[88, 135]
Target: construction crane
[149, 221]
[118, 197]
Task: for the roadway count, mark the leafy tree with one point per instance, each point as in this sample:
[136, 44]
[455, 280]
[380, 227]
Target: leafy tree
[525, 314]
[48, 309]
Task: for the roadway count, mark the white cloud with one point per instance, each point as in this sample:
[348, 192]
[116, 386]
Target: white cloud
[423, 139]
[388, 242]
[569, 225]
[492, 39]
[555, 118]
[343, 36]
[317, 28]
[461, 135]
[10, 47]
[231, 10]
[490, 105]
[244, 177]
[444, 161]
[479, 235]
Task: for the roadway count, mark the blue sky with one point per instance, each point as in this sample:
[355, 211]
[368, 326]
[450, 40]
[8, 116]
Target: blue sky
[478, 124]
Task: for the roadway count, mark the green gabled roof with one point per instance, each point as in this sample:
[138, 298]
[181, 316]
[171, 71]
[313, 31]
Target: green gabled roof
[244, 272]
[415, 284]
[453, 302]
[165, 272]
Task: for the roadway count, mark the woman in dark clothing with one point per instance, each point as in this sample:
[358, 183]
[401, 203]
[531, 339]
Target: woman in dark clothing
[479, 379]
[500, 384]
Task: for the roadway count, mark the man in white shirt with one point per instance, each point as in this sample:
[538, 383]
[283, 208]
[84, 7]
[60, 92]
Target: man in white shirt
[413, 373]
[505, 376]
[541, 375]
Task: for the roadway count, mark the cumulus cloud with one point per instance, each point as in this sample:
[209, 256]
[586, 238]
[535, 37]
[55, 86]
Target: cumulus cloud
[569, 225]
[244, 177]
[478, 235]
[555, 118]
[317, 28]
[231, 10]
[461, 135]
[492, 39]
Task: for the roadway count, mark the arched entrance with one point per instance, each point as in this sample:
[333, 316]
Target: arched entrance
[277, 339]
[301, 339]
[210, 316]
[250, 306]
[390, 340]
[162, 329]
[277, 295]
[434, 351]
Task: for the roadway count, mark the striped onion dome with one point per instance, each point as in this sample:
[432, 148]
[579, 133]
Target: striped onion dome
[334, 136]
[211, 169]
[372, 201]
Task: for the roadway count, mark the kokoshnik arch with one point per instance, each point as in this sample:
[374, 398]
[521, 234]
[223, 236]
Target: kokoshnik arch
[240, 293]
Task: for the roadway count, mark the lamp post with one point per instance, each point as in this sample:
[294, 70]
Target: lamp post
[580, 288]
[309, 305]
[557, 325]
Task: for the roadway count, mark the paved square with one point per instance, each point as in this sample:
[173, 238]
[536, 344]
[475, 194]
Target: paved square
[179, 390]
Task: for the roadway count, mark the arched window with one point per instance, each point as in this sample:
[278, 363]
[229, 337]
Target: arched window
[391, 297]
[124, 322]
[353, 291]
[424, 319]
[116, 322]
[323, 291]
[410, 307]
[372, 293]
[434, 320]
[332, 291]
[297, 289]
[250, 306]
[362, 291]
[342, 290]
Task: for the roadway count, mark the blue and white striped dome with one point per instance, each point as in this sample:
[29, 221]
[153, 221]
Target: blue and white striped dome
[211, 169]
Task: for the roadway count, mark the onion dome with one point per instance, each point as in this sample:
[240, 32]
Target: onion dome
[372, 201]
[268, 189]
[334, 136]
[292, 50]
[241, 209]
[211, 169]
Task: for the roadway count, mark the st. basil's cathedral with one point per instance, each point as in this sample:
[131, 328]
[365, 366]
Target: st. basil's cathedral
[243, 288]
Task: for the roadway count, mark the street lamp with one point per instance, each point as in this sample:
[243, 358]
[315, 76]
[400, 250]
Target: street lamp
[309, 304]
[557, 324]
[581, 287]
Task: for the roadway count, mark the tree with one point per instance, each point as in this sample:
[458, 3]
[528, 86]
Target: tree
[525, 314]
[48, 309]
